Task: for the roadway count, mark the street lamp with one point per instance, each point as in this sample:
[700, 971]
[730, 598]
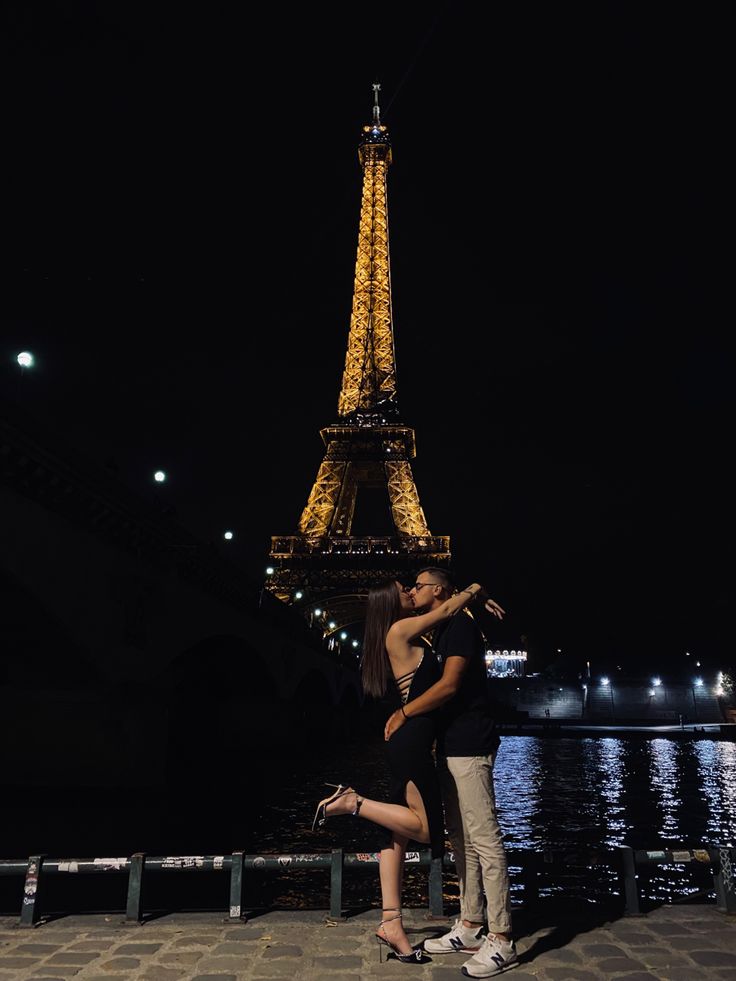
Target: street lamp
[26, 360]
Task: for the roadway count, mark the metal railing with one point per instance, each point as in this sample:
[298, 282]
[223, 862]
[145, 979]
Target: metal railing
[139, 867]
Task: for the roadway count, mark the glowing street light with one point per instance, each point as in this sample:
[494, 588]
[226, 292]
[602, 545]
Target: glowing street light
[270, 570]
[159, 476]
[228, 536]
[25, 359]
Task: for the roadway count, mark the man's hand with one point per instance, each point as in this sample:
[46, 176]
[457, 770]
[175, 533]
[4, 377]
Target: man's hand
[493, 607]
[394, 722]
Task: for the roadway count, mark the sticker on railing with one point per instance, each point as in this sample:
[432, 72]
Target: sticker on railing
[182, 862]
[111, 863]
[681, 857]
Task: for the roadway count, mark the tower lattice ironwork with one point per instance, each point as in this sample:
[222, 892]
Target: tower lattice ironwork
[367, 447]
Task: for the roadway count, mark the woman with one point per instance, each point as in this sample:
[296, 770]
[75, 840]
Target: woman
[395, 663]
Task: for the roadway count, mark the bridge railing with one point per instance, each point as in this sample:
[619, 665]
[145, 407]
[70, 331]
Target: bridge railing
[138, 867]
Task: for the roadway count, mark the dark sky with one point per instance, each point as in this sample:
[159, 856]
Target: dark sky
[181, 213]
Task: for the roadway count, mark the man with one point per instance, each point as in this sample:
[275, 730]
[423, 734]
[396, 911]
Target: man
[466, 750]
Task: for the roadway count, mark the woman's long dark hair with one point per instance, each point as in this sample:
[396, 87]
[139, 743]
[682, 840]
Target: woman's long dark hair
[383, 609]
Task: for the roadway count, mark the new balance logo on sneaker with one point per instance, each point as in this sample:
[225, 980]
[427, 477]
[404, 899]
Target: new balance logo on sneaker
[460, 939]
[494, 957]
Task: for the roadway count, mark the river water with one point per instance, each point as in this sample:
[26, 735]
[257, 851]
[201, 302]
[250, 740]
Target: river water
[554, 794]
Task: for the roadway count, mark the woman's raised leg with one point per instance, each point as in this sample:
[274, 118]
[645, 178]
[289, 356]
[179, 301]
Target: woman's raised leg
[405, 821]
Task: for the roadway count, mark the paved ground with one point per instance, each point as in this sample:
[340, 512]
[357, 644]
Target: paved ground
[672, 943]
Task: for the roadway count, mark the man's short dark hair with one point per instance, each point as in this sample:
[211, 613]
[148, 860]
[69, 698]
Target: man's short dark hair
[443, 576]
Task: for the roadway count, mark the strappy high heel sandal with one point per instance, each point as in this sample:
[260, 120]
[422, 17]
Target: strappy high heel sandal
[415, 954]
[320, 815]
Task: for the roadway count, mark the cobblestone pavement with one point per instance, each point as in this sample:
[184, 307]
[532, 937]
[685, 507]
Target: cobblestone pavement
[672, 943]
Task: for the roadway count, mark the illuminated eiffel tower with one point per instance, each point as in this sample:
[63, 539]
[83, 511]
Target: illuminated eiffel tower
[368, 447]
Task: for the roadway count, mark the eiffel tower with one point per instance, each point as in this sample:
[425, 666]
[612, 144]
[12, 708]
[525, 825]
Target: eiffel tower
[368, 447]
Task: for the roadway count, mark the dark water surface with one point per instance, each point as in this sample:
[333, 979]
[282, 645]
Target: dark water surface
[553, 793]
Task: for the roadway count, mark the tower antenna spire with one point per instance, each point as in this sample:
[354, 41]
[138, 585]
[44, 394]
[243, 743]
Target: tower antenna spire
[376, 108]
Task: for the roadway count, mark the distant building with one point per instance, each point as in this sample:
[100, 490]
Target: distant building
[505, 664]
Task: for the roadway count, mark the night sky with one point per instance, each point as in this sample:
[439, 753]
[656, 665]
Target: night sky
[179, 238]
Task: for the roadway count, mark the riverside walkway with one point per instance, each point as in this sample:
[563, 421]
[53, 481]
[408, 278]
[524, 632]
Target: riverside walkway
[555, 941]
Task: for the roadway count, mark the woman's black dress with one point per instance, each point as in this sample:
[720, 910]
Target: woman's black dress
[409, 753]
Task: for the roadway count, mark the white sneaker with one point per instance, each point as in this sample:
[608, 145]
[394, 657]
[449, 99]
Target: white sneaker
[460, 939]
[494, 957]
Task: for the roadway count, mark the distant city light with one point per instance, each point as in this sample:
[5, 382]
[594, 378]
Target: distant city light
[355, 643]
[343, 635]
[270, 570]
[332, 624]
[318, 612]
[298, 594]
[159, 476]
[228, 535]
[505, 664]
[505, 655]
[25, 359]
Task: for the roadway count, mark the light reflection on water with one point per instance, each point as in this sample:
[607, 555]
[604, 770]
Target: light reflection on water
[717, 771]
[665, 784]
[553, 793]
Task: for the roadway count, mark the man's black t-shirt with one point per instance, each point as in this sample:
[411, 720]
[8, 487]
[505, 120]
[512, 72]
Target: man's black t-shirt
[466, 726]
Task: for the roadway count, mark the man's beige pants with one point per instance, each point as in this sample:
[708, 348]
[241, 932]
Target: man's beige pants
[472, 826]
